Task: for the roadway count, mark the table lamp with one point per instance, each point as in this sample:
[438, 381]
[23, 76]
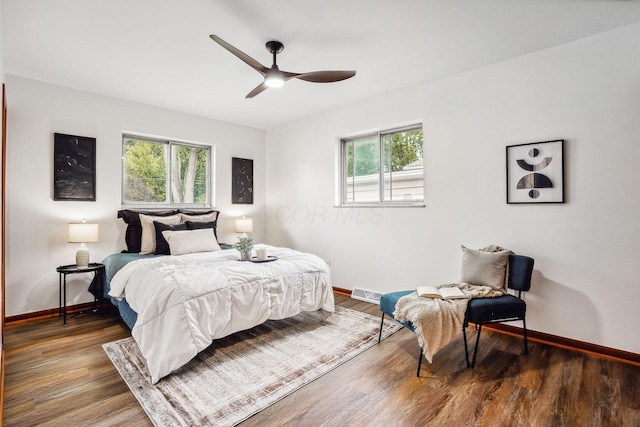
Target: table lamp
[83, 233]
[244, 225]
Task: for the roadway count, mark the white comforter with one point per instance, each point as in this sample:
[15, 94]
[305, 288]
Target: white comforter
[185, 302]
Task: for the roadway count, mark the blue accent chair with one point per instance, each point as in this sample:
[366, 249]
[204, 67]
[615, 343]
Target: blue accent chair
[480, 311]
[505, 308]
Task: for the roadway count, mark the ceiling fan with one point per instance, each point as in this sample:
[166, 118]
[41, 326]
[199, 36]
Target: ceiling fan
[273, 77]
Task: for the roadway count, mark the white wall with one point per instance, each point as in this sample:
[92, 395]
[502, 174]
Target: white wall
[586, 250]
[37, 226]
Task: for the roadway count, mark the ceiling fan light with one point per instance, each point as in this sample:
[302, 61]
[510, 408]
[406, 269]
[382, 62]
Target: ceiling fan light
[274, 78]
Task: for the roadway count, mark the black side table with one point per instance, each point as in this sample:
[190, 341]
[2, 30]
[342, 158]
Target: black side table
[63, 270]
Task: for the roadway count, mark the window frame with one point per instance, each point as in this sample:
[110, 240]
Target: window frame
[342, 178]
[169, 143]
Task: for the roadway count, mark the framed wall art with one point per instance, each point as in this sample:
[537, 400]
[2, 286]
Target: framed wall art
[241, 181]
[535, 172]
[74, 169]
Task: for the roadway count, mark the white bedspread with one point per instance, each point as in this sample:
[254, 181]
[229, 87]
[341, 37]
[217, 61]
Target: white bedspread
[185, 302]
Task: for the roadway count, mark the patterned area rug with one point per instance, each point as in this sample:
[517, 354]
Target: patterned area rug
[246, 372]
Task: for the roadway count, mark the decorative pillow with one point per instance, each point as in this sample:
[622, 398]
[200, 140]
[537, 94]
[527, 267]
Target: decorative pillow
[133, 233]
[196, 225]
[162, 247]
[485, 268]
[206, 216]
[148, 241]
[191, 241]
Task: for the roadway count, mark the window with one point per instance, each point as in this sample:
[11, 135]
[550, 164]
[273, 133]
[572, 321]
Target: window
[384, 168]
[165, 172]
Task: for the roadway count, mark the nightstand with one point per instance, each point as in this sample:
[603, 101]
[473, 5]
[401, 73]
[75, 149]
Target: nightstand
[63, 271]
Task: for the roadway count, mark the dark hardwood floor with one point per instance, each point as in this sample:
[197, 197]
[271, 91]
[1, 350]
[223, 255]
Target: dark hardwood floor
[60, 376]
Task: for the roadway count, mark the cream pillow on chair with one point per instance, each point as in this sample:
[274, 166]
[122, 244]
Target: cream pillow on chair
[485, 268]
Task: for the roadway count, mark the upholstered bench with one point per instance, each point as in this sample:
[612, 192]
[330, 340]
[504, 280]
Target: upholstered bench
[388, 306]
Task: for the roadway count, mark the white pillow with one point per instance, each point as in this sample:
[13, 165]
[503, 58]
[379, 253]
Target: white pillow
[148, 240]
[485, 268]
[199, 217]
[191, 241]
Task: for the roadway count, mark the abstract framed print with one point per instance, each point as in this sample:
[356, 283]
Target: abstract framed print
[241, 181]
[74, 169]
[535, 172]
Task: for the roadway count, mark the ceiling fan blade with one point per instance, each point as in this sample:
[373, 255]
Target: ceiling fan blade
[243, 56]
[259, 89]
[324, 76]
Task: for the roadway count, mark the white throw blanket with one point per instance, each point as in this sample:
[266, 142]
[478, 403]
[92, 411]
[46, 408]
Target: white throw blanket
[437, 321]
[185, 302]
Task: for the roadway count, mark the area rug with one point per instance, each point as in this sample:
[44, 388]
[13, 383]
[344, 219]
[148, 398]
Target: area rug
[240, 375]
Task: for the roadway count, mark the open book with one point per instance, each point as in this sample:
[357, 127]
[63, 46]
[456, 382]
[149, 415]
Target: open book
[440, 293]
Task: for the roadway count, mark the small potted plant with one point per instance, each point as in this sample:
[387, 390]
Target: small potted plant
[244, 246]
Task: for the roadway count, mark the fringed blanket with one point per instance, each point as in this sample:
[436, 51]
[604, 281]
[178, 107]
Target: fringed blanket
[437, 321]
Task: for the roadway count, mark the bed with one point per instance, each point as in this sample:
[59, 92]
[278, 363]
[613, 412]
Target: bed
[176, 304]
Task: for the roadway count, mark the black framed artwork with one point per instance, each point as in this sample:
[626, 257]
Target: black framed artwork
[74, 169]
[241, 181]
[535, 172]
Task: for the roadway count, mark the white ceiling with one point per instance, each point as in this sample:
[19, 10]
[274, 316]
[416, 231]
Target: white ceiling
[158, 52]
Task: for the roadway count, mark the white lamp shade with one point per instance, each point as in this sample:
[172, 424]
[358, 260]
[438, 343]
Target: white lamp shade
[83, 233]
[244, 225]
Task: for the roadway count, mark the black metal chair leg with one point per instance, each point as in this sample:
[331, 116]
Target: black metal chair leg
[419, 362]
[475, 351]
[381, 324]
[466, 350]
[524, 333]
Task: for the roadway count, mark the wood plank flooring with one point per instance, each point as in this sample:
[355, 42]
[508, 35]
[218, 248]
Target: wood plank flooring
[60, 376]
